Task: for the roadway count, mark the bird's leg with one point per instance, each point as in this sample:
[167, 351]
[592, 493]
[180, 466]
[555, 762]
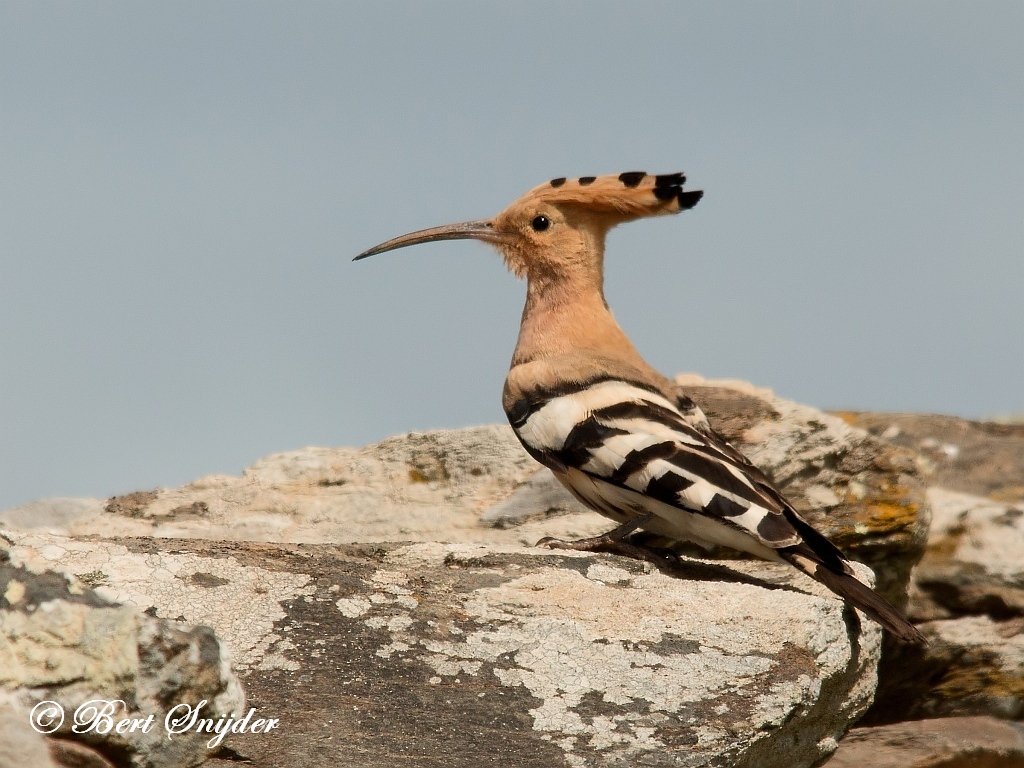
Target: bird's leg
[615, 543]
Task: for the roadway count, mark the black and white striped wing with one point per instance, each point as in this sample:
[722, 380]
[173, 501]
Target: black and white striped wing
[620, 447]
[625, 450]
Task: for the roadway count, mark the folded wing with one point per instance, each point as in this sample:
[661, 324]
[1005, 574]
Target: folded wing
[626, 450]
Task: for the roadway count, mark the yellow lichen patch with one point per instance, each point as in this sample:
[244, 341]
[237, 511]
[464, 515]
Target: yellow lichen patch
[415, 476]
[1008, 494]
[94, 578]
[850, 417]
[888, 517]
[987, 679]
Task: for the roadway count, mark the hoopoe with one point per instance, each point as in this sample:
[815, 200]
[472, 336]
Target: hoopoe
[621, 437]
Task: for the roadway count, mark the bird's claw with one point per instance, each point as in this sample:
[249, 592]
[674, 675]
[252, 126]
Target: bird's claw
[614, 546]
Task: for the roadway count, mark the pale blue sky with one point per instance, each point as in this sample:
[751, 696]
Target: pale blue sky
[182, 186]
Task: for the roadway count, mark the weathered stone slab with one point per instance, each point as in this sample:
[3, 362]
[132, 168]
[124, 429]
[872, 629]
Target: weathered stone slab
[865, 495]
[20, 745]
[422, 487]
[538, 497]
[434, 654]
[55, 514]
[972, 666]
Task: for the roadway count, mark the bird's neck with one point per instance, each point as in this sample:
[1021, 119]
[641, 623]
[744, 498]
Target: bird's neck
[566, 313]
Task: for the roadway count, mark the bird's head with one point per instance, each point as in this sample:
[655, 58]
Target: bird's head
[560, 226]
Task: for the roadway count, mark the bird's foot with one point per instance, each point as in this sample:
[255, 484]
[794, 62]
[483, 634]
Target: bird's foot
[614, 542]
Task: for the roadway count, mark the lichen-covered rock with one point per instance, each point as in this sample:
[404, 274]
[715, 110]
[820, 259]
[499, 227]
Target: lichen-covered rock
[967, 597]
[953, 742]
[967, 593]
[972, 666]
[974, 564]
[465, 655]
[982, 663]
[411, 487]
[977, 457]
[62, 642]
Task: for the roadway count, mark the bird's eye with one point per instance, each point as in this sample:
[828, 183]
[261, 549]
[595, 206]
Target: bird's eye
[540, 223]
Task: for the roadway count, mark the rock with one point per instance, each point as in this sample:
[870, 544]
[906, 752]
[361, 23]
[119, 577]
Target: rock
[967, 593]
[436, 654]
[71, 754]
[538, 497]
[867, 496]
[955, 742]
[968, 599]
[489, 649]
[63, 643]
[972, 666]
[974, 563]
[412, 487]
[20, 745]
[977, 457]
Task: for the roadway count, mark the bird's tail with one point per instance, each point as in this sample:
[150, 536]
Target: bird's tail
[855, 592]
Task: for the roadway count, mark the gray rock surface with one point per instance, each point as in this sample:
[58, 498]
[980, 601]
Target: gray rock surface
[421, 487]
[23, 747]
[972, 666]
[73, 754]
[62, 642]
[538, 497]
[434, 654]
[956, 742]
[492, 652]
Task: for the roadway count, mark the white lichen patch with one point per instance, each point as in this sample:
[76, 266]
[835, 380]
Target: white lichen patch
[241, 603]
[275, 658]
[15, 592]
[353, 607]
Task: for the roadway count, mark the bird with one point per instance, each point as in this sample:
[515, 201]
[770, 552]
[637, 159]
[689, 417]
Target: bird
[621, 437]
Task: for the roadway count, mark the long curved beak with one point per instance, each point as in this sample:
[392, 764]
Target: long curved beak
[467, 230]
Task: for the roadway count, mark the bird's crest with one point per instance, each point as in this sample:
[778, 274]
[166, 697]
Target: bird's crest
[626, 196]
